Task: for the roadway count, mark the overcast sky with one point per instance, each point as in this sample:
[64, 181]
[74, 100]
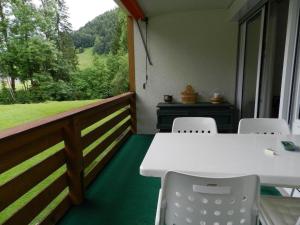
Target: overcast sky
[83, 11]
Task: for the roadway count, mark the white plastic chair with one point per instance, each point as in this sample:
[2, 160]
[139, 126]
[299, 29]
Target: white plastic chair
[264, 126]
[186, 199]
[201, 125]
[280, 211]
[268, 126]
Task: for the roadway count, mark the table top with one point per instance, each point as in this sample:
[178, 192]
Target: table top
[224, 155]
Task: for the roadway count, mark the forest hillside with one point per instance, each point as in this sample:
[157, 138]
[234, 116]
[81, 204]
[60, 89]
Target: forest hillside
[41, 57]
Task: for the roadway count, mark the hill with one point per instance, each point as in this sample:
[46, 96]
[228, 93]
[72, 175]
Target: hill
[104, 34]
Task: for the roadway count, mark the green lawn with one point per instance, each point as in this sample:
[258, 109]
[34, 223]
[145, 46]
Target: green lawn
[13, 115]
[86, 59]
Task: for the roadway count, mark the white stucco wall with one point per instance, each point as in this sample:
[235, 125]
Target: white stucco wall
[197, 48]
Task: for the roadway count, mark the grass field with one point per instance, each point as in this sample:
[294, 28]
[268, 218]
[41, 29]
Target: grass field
[13, 115]
[86, 58]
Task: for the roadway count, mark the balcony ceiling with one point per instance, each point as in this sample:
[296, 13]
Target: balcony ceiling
[159, 7]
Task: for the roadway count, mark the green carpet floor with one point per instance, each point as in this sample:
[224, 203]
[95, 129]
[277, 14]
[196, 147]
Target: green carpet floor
[119, 195]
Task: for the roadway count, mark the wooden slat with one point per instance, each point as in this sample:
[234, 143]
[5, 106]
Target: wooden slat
[99, 114]
[93, 154]
[28, 136]
[106, 104]
[26, 214]
[92, 174]
[105, 109]
[12, 157]
[27, 180]
[99, 131]
[58, 212]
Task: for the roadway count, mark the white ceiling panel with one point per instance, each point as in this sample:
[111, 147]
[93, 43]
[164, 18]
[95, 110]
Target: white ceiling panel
[159, 7]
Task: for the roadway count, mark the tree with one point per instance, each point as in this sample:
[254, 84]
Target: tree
[68, 50]
[22, 30]
[83, 40]
[47, 21]
[56, 27]
[3, 24]
[17, 26]
[99, 46]
[120, 37]
[35, 40]
[64, 28]
[120, 83]
[6, 65]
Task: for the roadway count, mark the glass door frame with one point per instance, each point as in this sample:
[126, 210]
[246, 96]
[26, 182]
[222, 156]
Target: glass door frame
[290, 88]
[294, 107]
[241, 59]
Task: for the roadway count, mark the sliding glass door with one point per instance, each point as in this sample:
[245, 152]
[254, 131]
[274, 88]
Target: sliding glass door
[250, 62]
[260, 61]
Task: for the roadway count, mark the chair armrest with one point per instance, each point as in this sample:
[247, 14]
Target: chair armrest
[159, 210]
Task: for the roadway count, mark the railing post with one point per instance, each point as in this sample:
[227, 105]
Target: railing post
[133, 113]
[131, 61]
[74, 155]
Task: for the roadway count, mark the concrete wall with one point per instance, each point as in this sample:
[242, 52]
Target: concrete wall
[197, 48]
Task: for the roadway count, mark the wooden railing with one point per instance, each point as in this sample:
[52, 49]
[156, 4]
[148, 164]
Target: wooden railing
[45, 166]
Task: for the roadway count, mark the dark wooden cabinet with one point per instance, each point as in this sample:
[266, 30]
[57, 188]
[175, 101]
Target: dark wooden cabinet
[223, 113]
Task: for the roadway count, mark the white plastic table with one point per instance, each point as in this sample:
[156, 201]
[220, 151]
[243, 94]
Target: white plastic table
[224, 155]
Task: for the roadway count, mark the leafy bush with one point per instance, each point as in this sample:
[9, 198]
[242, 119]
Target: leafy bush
[107, 77]
[22, 97]
[91, 83]
[44, 89]
[47, 89]
[81, 50]
[120, 82]
[5, 96]
[53, 91]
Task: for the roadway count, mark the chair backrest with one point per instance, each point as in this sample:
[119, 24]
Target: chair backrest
[200, 125]
[264, 126]
[204, 201]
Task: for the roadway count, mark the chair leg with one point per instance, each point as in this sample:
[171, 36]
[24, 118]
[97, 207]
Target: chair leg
[261, 220]
[158, 217]
[293, 191]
